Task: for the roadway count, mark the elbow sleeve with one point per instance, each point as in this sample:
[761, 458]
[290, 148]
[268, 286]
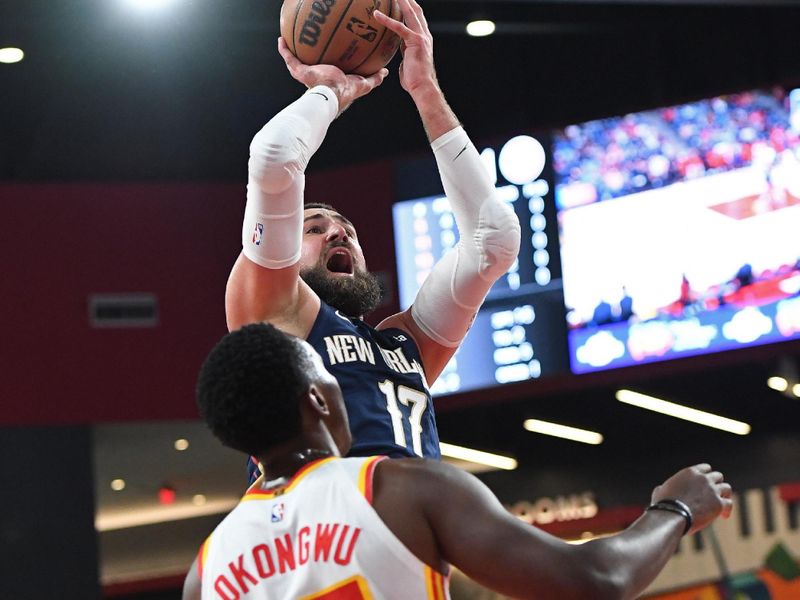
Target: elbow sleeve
[489, 230]
[279, 153]
[450, 296]
[497, 239]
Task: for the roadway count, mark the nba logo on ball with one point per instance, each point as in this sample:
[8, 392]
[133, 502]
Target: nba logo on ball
[277, 513]
[257, 233]
[362, 30]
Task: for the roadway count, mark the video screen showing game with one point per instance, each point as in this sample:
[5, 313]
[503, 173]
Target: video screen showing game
[679, 229]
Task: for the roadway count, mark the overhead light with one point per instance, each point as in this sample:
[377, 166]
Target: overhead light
[166, 494]
[147, 5]
[123, 518]
[578, 542]
[683, 412]
[778, 383]
[11, 55]
[118, 485]
[796, 389]
[181, 444]
[199, 499]
[480, 28]
[478, 456]
[569, 433]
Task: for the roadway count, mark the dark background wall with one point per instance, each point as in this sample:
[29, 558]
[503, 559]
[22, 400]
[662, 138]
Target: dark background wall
[48, 546]
[176, 241]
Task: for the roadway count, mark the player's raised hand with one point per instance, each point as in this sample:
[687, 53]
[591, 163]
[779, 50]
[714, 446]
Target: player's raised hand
[416, 69]
[702, 489]
[346, 87]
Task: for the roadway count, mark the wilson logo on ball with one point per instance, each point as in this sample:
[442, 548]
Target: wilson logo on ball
[320, 9]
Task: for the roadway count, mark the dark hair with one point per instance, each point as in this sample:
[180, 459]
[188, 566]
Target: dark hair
[324, 206]
[319, 205]
[248, 388]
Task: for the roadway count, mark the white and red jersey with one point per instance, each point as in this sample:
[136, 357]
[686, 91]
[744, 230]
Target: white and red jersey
[317, 537]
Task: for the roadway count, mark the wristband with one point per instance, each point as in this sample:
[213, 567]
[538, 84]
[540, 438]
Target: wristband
[677, 507]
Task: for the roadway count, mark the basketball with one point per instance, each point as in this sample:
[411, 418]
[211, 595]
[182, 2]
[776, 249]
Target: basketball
[342, 33]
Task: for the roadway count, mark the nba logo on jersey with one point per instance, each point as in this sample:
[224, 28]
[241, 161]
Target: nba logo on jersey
[257, 233]
[277, 513]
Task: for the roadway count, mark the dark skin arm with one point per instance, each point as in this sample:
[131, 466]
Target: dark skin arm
[465, 525]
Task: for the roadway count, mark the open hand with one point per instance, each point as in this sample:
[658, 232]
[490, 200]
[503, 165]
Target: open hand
[346, 87]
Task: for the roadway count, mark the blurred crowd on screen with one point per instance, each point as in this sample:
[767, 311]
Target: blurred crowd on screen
[610, 158]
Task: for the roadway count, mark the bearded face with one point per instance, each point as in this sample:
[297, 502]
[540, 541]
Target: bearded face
[333, 265]
[353, 296]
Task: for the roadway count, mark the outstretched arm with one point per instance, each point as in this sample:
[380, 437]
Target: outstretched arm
[265, 283]
[474, 532]
[489, 231]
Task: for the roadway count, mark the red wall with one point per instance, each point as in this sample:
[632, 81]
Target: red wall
[64, 242]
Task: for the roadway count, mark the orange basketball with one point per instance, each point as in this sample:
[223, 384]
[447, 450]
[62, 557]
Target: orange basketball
[340, 32]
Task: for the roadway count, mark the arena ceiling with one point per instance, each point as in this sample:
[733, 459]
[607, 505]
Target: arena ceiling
[107, 92]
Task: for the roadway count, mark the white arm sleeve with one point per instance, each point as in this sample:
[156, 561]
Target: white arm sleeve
[487, 247]
[273, 220]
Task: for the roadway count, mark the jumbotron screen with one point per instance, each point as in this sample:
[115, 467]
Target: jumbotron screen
[519, 332]
[679, 229]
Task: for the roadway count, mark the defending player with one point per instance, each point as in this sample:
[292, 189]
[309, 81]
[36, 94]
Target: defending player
[304, 271]
[319, 526]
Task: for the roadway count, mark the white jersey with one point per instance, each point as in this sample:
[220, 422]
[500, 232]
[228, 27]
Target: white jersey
[315, 537]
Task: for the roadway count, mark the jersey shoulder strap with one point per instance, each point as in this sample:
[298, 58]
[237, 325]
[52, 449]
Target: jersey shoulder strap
[361, 472]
